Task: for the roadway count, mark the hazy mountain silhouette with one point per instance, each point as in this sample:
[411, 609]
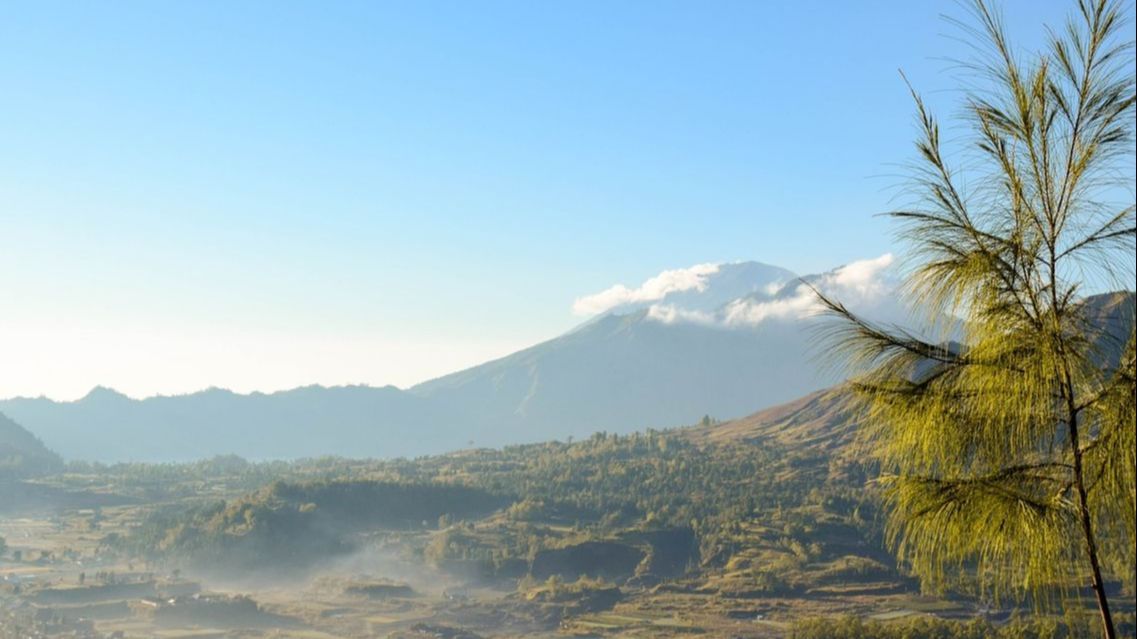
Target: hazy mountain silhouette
[659, 362]
[22, 454]
[665, 356]
[303, 422]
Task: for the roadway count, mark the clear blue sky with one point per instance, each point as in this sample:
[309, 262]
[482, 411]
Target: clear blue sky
[264, 194]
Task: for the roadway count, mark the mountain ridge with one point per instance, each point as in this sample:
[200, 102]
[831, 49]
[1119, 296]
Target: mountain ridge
[618, 372]
[22, 454]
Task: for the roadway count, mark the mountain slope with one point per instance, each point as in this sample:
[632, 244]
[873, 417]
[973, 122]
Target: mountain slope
[824, 421]
[1114, 314]
[22, 454]
[827, 421]
[627, 372]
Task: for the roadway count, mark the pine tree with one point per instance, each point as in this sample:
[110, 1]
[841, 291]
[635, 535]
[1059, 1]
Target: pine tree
[1006, 440]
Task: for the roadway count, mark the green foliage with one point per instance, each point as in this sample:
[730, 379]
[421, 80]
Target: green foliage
[925, 627]
[291, 524]
[675, 497]
[1014, 450]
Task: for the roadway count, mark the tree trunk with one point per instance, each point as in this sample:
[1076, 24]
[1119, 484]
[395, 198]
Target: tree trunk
[1108, 629]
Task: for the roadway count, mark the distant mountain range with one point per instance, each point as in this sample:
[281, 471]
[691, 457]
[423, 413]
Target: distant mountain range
[354, 421]
[718, 340]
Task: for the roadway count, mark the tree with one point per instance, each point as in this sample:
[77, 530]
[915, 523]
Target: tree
[1006, 439]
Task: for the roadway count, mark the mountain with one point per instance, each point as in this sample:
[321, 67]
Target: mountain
[619, 372]
[660, 355]
[23, 458]
[719, 339]
[354, 421]
[712, 340]
[827, 421]
[628, 372]
[1114, 313]
[22, 454]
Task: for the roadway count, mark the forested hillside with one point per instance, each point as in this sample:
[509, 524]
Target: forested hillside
[729, 517]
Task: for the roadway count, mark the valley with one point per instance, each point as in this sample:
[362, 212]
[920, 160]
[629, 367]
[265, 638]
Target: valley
[568, 320]
[739, 529]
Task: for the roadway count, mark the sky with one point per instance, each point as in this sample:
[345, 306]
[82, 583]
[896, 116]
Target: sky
[262, 195]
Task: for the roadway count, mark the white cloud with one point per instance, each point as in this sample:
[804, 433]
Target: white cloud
[863, 276]
[860, 283]
[749, 312]
[671, 314]
[864, 284]
[653, 290]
